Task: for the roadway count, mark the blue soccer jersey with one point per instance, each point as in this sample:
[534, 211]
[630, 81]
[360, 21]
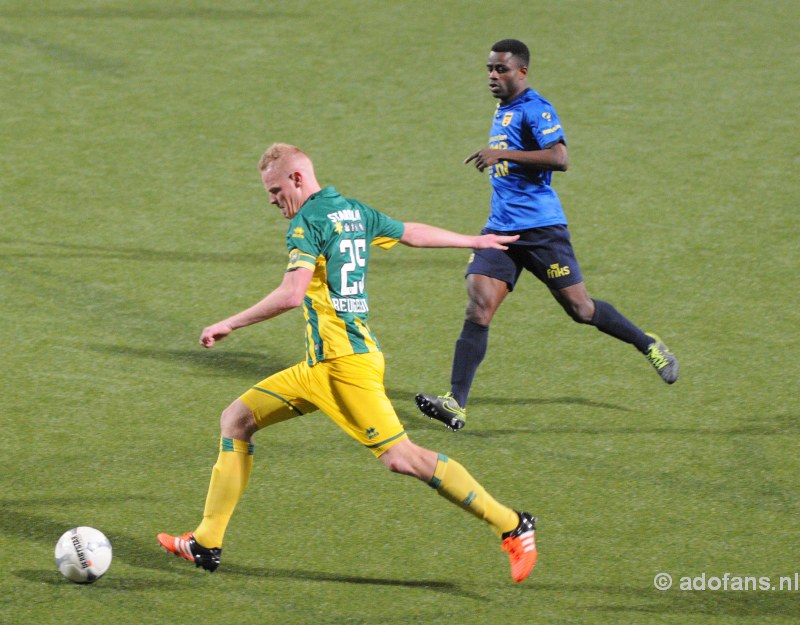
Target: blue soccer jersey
[522, 198]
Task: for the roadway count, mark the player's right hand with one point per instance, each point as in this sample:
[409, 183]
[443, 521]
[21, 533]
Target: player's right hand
[214, 333]
[484, 158]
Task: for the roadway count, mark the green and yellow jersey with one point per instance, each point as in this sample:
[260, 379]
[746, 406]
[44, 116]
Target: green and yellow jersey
[331, 235]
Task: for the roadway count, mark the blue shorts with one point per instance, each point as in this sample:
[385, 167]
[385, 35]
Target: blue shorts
[546, 252]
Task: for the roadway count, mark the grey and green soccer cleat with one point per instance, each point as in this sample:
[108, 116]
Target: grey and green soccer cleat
[662, 359]
[443, 408]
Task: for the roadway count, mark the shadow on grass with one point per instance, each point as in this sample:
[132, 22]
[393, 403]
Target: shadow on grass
[21, 520]
[253, 365]
[115, 582]
[403, 402]
[407, 396]
[745, 430]
[650, 601]
[150, 13]
[316, 576]
[765, 425]
[110, 582]
[70, 56]
[52, 249]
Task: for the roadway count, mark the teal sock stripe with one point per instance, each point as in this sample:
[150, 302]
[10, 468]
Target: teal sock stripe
[435, 482]
[469, 498]
[227, 445]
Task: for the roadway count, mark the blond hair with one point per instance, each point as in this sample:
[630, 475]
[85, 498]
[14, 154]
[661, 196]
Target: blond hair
[280, 152]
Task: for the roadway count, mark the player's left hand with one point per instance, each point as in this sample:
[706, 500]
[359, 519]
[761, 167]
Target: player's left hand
[494, 241]
[484, 158]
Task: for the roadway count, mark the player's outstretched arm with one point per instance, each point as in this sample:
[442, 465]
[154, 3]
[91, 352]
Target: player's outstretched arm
[423, 235]
[288, 295]
[553, 157]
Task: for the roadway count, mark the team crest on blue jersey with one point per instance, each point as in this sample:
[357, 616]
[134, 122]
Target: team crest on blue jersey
[298, 233]
[507, 118]
[547, 116]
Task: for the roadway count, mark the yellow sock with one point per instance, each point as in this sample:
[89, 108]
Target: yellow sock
[229, 478]
[453, 482]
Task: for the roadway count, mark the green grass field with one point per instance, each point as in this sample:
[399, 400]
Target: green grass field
[132, 216]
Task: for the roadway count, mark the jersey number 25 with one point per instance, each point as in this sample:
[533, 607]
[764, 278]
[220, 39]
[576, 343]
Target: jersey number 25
[354, 249]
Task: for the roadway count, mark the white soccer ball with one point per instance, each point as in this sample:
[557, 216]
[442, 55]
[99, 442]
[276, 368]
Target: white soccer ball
[83, 555]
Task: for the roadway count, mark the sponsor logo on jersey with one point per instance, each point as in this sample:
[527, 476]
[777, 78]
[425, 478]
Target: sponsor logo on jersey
[348, 214]
[556, 271]
[547, 116]
[372, 433]
[551, 130]
[347, 220]
[298, 233]
[507, 118]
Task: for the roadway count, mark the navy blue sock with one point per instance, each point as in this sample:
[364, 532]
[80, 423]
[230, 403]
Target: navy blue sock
[608, 319]
[470, 350]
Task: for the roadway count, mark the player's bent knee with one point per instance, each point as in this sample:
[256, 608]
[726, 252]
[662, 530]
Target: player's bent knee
[397, 462]
[396, 459]
[580, 313]
[399, 465]
[405, 458]
[237, 421]
[479, 313]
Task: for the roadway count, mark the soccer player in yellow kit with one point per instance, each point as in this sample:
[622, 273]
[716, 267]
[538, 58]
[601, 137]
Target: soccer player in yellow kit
[328, 240]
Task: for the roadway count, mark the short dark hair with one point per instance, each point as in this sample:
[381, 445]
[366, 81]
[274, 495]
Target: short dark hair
[516, 48]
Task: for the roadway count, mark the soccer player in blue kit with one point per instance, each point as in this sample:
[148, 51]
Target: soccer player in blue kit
[526, 144]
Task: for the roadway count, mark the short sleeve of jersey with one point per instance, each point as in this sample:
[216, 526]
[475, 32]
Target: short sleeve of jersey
[544, 123]
[304, 241]
[384, 230]
[298, 259]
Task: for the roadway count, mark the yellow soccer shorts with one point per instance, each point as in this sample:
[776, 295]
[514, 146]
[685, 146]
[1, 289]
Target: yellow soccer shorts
[348, 389]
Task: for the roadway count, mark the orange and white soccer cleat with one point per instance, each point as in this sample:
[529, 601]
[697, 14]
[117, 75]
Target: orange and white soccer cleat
[520, 543]
[187, 547]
